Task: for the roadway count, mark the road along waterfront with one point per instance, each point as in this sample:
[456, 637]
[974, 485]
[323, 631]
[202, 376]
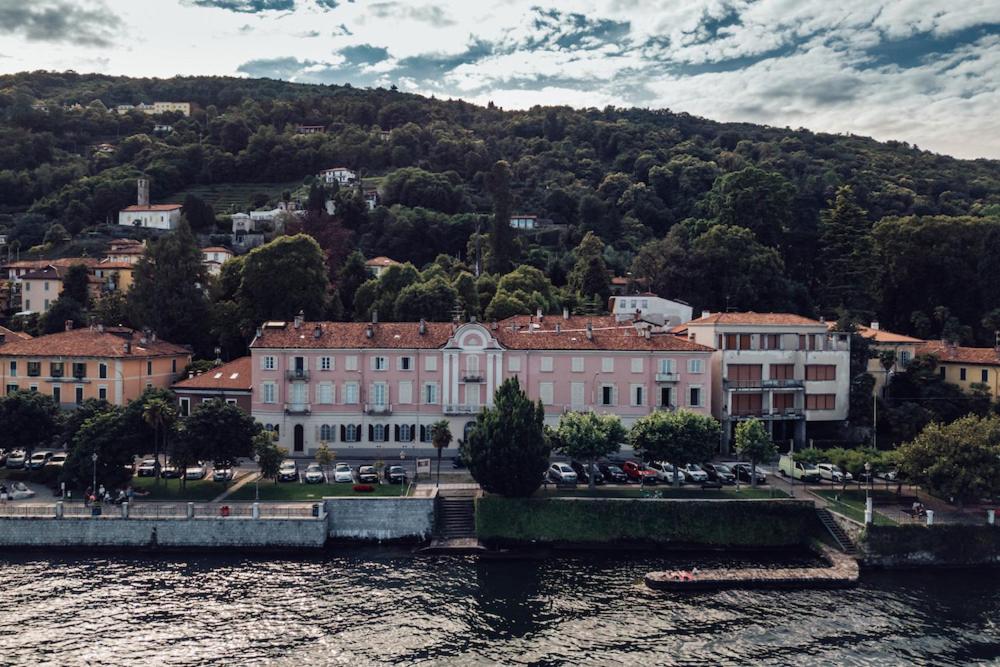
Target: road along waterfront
[381, 606]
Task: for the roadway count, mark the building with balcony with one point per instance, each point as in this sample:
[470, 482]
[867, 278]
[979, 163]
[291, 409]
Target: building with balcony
[115, 364]
[787, 370]
[356, 385]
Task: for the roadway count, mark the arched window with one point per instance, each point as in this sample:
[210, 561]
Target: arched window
[352, 433]
[379, 433]
[326, 432]
[405, 434]
[472, 363]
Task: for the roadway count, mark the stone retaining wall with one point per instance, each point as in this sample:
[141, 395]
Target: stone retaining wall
[380, 518]
[946, 545]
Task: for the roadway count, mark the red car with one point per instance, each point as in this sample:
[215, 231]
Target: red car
[638, 472]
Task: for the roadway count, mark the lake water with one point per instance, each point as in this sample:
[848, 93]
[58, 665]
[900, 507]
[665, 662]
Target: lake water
[369, 607]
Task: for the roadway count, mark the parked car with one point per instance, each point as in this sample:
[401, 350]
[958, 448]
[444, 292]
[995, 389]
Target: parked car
[222, 475]
[343, 473]
[719, 472]
[890, 475]
[288, 471]
[562, 473]
[639, 473]
[833, 473]
[665, 472]
[16, 458]
[19, 491]
[613, 474]
[395, 475]
[314, 474]
[197, 471]
[367, 475]
[806, 472]
[694, 473]
[743, 470]
[58, 459]
[583, 475]
[170, 471]
[38, 460]
[147, 468]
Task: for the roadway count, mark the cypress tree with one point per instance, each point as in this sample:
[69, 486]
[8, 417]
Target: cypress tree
[846, 256]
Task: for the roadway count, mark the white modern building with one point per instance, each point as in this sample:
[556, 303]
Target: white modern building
[339, 175]
[647, 305]
[150, 216]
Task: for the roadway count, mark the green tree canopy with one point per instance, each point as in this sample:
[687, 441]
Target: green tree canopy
[104, 433]
[589, 436]
[284, 277]
[589, 276]
[220, 432]
[678, 438]
[28, 420]
[753, 442]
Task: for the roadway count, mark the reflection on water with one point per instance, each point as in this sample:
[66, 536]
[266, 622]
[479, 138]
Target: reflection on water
[381, 606]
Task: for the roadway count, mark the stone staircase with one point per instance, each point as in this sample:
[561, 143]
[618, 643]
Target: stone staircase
[456, 518]
[842, 539]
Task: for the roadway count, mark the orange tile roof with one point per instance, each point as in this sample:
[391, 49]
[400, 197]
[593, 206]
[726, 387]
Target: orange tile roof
[90, 343]
[608, 339]
[549, 322]
[984, 356]
[108, 264]
[755, 319]
[234, 376]
[14, 335]
[217, 248]
[381, 261]
[153, 207]
[880, 335]
[62, 262]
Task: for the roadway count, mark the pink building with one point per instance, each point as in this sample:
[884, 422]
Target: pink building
[381, 385]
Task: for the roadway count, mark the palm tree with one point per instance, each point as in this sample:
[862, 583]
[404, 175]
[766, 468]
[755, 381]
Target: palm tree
[440, 438]
[158, 414]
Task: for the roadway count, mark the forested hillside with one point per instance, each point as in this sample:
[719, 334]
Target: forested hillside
[718, 214]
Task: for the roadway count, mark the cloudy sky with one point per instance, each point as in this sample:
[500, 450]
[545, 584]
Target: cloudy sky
[923, 71]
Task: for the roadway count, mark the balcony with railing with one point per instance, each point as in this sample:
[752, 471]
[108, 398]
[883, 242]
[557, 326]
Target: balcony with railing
[765, 415]
[759, 384]
[576, 407]
[472, 376]
[668, 377]
[378, 408]
[297, 375]
[460, 409]
[298, 409]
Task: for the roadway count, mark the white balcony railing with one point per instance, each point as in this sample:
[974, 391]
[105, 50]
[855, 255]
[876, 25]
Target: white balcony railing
[298, 409]
[460, 409]
[378, 408]
[668, 377]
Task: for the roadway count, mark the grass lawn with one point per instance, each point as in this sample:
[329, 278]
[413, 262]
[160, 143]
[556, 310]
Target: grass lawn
[852, 505]
[170, 489]
[727, 493]
[296, 491]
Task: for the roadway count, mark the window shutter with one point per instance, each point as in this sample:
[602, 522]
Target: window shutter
[343, 432]
[413, 431]
[371, 433]
[423, 431]
[614, 395]
[396, 430]
[358, 431]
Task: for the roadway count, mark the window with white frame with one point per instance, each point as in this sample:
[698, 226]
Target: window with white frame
[607, 394]
[405, 433]
[472, 364]
[514, 364]
[405, 393]
[577, 364]
[472, 393]
[185, 406]
[269, 392]
[380, 393]
[430, 363]
[545, 392]
[430, 393]
[694, 396]
[666, 366]
[351, 433]
[268, 362]
[638, 394]
[405, 363]
[607, 364]
[324, 393]
[695, 366]
[379, 432]
[636, 364]
[326, 433]
[351, 393]
[326, 363]
[546, 364]
[577, 394]
[380, 363]
[351, 362]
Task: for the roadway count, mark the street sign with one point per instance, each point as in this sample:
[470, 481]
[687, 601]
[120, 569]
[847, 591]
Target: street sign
[423, 465]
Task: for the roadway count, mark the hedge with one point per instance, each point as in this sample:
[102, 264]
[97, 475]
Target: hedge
[713, 523]
[943, 544]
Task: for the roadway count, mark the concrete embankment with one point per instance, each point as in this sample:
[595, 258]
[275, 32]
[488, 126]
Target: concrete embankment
[382, 519]
[842, 572]
[944, 545]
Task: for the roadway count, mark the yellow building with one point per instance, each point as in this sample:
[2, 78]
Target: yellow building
[903, 347]
[115, 276]
[116, 364]
[966, 366]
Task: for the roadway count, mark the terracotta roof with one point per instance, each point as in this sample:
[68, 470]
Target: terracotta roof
[381, 261]
[406, 335]
[152, 207]
[130, 250]
[108, 264]
[234, 376]
[880, 335]
[984, 356]
[755, 319]
[549, 322]
[90, 343]
[62, 262]
[51, 273]
[619, 280]
[14, 335]
[217, 248]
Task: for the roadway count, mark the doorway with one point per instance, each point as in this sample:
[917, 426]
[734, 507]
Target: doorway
[300, 438]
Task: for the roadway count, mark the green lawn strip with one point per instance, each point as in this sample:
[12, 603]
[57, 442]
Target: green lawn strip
[852, 505]
[745, 493]
[201, 490]
[296, 491]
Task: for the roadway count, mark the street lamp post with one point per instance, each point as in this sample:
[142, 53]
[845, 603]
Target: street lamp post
[256, 482]
[93, 457]
[402, 482]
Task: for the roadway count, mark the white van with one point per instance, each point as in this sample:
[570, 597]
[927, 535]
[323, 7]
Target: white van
[806, 472]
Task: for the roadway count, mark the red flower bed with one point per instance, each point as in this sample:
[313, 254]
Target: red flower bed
[363, 487]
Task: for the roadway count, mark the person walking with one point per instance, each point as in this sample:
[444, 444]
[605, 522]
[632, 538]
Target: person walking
[3, 494]
[102, 494]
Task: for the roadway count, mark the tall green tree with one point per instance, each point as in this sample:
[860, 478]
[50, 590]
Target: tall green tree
[159, 415]
[758, 200]
[507, 450]
[169, 291]
[353, 274]
[440, 438]
[284, 277]
[678, 438]
[104, 434]
[589, 436]
[76, 284]
[64, 309]
[846, 258]
[28, 420]
[753, 442]
[200, 214]
[590, 276]
[221, 433]
[268, 455]
[503, 245]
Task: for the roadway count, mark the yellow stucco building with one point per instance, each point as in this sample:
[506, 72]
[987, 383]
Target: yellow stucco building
[966, 366]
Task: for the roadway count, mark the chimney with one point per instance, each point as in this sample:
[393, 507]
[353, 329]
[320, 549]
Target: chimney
[369, 330]
[558, 328]
[143, 192]
[423, 326]
[298, 319]
[374, 316]
[100, 328]
[143, 340]
[565, 313]
[190, 374]
[706, 313]
[128, 347]
[538, 314]
[260, 332]
[645, 334]
[874, 325]
[68, 324]
[152, 337]
[317, 332]
[590, 331]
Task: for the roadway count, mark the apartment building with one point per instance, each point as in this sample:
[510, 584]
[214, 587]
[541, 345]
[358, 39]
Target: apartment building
[381, 385]
[787, 370]
[115, 364]
[965, 366]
